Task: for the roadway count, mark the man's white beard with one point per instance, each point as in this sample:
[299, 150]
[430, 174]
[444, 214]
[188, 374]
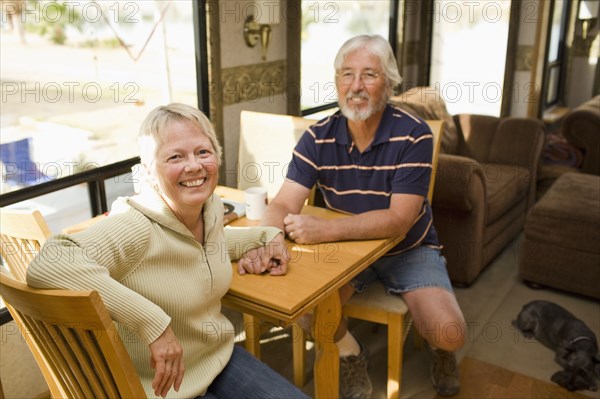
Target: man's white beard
[360, 114]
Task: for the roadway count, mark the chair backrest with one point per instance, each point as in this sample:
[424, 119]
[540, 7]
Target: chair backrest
[266, 145]
[22, 233]
[74, 341]
[437, 128]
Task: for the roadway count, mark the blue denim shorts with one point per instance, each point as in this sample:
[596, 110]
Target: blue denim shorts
[421, 267]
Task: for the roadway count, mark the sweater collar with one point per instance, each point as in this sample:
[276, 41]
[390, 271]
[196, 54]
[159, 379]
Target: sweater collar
[152, 205]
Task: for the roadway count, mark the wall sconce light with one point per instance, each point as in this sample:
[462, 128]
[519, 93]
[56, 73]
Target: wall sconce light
[253, 32]
[257, 27]
[588, 11]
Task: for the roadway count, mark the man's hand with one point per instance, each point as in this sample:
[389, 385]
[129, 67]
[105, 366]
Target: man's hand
[166, 357]
[305, 229]
[272, 257]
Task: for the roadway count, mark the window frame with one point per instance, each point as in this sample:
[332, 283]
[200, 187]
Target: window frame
[561, 59]
[393, 40]
[95, 177]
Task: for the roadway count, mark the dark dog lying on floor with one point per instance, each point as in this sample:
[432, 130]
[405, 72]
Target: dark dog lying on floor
[573, 342]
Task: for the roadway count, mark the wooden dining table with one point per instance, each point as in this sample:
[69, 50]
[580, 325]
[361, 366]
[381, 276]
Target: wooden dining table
[315, 274]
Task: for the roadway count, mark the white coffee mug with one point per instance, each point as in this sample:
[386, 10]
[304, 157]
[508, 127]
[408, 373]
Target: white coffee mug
[256, 202]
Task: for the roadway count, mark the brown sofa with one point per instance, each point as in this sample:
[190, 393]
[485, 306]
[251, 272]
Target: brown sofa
[485, 182]
[581, 128]
[575, 148]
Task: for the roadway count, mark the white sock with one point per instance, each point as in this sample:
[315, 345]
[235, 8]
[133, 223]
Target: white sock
[348, 345]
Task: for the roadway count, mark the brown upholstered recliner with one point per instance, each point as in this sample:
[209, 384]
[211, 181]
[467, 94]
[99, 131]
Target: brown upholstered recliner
[485, 181]
[581, 128]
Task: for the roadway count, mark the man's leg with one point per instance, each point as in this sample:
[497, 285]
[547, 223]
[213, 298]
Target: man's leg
[437, 317]
[354, 378]
[420, 276]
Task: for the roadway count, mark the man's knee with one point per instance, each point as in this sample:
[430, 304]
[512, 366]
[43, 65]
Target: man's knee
[449, 336]
[453, 337]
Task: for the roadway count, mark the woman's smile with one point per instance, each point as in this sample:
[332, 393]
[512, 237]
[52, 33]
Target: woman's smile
[193, 183]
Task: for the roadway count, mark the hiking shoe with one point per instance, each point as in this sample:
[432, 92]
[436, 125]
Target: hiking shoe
[354, 378]
[444, 372]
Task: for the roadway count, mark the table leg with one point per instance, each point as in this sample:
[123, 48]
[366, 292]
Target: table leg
[327, 318]
[253, 330]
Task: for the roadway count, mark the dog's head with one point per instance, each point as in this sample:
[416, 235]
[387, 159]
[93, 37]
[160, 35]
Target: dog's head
[526, 322]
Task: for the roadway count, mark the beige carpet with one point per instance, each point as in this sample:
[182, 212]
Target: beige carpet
[481, 380]
[21, 377]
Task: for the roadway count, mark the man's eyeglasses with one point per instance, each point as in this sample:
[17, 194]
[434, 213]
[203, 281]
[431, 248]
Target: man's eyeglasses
[368, 78]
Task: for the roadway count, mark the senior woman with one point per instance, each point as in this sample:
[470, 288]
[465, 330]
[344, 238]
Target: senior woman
[161, 263]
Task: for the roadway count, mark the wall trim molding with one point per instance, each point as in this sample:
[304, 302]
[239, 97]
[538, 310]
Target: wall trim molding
[248, 83]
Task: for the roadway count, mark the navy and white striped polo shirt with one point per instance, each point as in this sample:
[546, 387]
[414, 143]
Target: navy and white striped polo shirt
[397, 161]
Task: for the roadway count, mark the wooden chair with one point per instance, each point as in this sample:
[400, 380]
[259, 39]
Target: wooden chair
[376, 306]
[73, 340]
[261, 165]
[266, 145]
[22, 234]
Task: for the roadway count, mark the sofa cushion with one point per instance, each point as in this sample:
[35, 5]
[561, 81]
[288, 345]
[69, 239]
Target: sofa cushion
[427, 103]
[567, 215]
[505, 186]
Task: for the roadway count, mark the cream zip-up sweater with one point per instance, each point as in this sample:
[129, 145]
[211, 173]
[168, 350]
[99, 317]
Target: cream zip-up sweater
[151, 273]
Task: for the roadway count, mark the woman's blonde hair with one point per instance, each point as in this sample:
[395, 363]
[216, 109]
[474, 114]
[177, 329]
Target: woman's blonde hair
[153, 129]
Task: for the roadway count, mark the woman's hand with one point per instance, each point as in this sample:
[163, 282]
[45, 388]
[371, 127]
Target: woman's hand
[272, 257]
[166, 357]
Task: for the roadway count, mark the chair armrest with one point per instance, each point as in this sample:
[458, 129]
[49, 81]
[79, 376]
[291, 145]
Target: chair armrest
[458, 179]
[519, 142]
[476, 135]
[581, 128]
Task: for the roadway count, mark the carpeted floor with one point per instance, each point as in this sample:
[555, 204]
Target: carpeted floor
[481, 380]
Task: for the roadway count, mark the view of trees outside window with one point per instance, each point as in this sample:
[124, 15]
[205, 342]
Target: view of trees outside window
[469, 54]
[326, 25]
[78, 77]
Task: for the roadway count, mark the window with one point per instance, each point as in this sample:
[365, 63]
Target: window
[555, 58]
[469, 54]
[326, 25]
[77, 78]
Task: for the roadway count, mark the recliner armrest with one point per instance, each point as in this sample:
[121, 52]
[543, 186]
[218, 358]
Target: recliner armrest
[458, 180]
[581, 128]
[519, 142]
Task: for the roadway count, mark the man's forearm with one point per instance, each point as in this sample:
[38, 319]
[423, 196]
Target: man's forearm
[368, 225]
[274, 215]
